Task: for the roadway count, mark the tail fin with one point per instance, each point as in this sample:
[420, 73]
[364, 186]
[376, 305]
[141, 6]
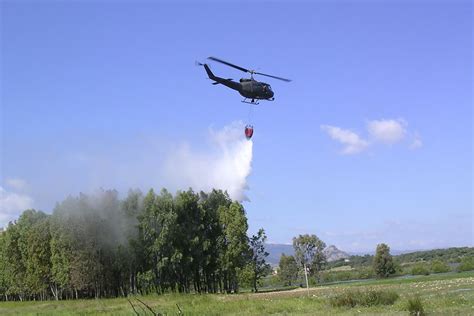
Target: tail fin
[209, 72]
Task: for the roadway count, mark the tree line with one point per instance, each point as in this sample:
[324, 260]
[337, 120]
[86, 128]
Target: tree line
[380, 265]
[309, 257]
[95, 246]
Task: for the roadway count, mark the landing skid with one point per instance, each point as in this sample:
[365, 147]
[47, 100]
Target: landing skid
[250, 102]
[255, 101]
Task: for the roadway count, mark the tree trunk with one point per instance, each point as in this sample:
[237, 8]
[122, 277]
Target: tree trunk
[255, 283]
[54, 291]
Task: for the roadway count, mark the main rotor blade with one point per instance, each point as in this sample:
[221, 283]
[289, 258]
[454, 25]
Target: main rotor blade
[228, 64]
[246, 70]
[275, 77]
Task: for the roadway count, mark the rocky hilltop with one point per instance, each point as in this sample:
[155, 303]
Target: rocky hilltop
[333, 254]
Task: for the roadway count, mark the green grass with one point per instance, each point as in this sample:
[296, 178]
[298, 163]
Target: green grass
[353, 298]
[415, 306]
[442, 294]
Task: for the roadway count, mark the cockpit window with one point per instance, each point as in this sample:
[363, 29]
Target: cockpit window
[269, 87]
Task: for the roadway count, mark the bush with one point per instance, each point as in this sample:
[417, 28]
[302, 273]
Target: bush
[334, 276]
[415, 306]
[345, 299]
[369, 298]
[420, 269]
[439, 266]
[377, 297]
[467, 264]
[356, 274]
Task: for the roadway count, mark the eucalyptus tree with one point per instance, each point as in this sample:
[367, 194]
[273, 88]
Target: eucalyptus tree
[309, 254]
[101, 246]
[38, 263]
[234, 246]
[4, 274]
[260, 267]
[22, 259]
[212, 232]
[287, 269]
[133, 253]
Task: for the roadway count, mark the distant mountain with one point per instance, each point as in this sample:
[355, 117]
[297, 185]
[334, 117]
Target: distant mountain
[275, 251]
[333, 254]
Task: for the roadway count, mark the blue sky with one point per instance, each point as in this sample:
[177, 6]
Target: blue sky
[371, 142]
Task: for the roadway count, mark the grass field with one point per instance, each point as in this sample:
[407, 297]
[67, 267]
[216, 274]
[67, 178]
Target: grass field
[443, 294]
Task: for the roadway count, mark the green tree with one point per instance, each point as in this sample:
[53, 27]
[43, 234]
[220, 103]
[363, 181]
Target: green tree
[233, 244]
[188, 240]
[133, 254]
[151, 224]
[438, 266]
[212, 233]
[383, 262]
[420, 269]
[38, 265]
[19, 263]
[257, 261]
[95, 246]
[61, 245]
[309, 253]
[287, 269]
[3, 266]
[467, 264]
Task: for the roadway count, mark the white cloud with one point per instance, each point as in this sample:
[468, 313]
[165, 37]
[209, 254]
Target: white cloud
[12, 204]
[417, 142]
[226, 165]
[16, 183]
[387, 131]
[353, 143]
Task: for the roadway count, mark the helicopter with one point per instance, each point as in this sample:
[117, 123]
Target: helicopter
[249, 88]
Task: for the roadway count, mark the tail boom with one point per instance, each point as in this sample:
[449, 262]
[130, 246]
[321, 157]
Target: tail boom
[226, 82]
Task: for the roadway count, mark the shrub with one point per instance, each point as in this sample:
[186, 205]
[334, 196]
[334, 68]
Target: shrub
[344, 299]
[366, 273]
[369, 298]
[420, 269]
[377, 297]
[439, 266]
[467, 264]
[356, 274]
[334, 276]
[415, 306]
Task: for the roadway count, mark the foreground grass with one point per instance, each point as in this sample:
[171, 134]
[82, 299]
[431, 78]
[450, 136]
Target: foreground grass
[448, 294]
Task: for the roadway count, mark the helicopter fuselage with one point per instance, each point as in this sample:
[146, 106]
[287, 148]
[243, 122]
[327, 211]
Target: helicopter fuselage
[253, 89]
[247, 87]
